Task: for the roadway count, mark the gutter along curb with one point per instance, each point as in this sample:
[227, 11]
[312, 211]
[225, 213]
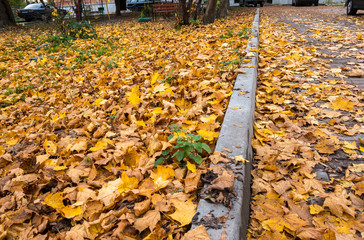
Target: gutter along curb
[236, 130]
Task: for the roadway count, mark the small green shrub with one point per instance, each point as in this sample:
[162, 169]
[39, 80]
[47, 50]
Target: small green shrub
[195, 22]
[245, 32]
[188, 147]
[146, 11]
[69, 30]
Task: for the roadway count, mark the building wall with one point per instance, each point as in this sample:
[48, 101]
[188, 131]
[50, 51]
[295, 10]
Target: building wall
[234, 3]
[95, 7]
[289, 2]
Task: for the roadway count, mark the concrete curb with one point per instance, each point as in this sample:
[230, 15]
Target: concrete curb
[237, 129]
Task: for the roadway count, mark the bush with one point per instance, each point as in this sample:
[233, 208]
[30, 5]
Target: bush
[68, 30]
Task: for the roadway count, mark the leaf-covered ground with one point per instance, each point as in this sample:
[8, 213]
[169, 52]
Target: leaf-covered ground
[308, 173]
[82, 126]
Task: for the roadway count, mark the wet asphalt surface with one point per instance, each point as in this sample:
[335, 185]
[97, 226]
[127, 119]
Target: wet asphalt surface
[339, 42]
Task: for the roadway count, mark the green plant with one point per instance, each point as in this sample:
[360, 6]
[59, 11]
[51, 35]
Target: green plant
[228, 35]
[111, 65]
[146, 11]
[232, 62]
[245, 32]
[168, 80]
[195, 22]
[3, 72]
[68, 30]
[188, 147]
[18, 90]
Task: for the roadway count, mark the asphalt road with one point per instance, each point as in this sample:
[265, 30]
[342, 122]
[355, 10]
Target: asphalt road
[338, 41]
[338, 47]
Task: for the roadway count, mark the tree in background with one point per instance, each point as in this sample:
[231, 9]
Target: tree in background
[119, 5]
[17, 4]
[210, 13]
[223, 8]
[6, 14]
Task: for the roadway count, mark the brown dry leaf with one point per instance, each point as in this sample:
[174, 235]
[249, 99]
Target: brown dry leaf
[198, 233]
[191, 181]
[238, 70]
[224, 235]
[79, 146]
[310, 233]
[224, 181]
[109, 192]
[339, 206]
[76, 233]
[327, 146]
[355, 73]
[227, 150]
[141, 207]
[149, 220]
[217, 157]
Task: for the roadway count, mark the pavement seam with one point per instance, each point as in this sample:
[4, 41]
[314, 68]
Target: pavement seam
[236, 130]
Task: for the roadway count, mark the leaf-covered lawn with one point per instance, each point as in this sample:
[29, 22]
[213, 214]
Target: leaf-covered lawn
[308, 178]
[82, 126]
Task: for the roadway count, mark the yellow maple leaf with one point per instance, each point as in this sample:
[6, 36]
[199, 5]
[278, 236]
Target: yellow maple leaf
[184, 211]
[208, 135]
[59, 116]
[99, 102]
[54, 200]
[316, 209]
[241, 159]
[12, 141]
[163, 172]
[341, 104]
[361, 148]
[141, 123]
[211, 117]
[102, 144]
[71, 212]
[157, 110]
[50, 147]
[191, 166]
[134, 95]
[2, 150]
[349, 148]
[127, 183]
[155, 78]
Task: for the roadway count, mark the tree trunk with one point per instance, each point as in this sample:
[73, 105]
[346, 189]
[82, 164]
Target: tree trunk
[122, 4]
[210, 13]
[78, 9]
[223, 10]
[6, 14]
[185, 12]
[117, 7]
[197, 10]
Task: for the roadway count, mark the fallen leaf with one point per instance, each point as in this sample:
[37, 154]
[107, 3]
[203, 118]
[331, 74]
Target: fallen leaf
[184, 211]
[198, 233]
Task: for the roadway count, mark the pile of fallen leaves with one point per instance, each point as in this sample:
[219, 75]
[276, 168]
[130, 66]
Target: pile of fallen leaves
[308, 178]
[83, 123]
